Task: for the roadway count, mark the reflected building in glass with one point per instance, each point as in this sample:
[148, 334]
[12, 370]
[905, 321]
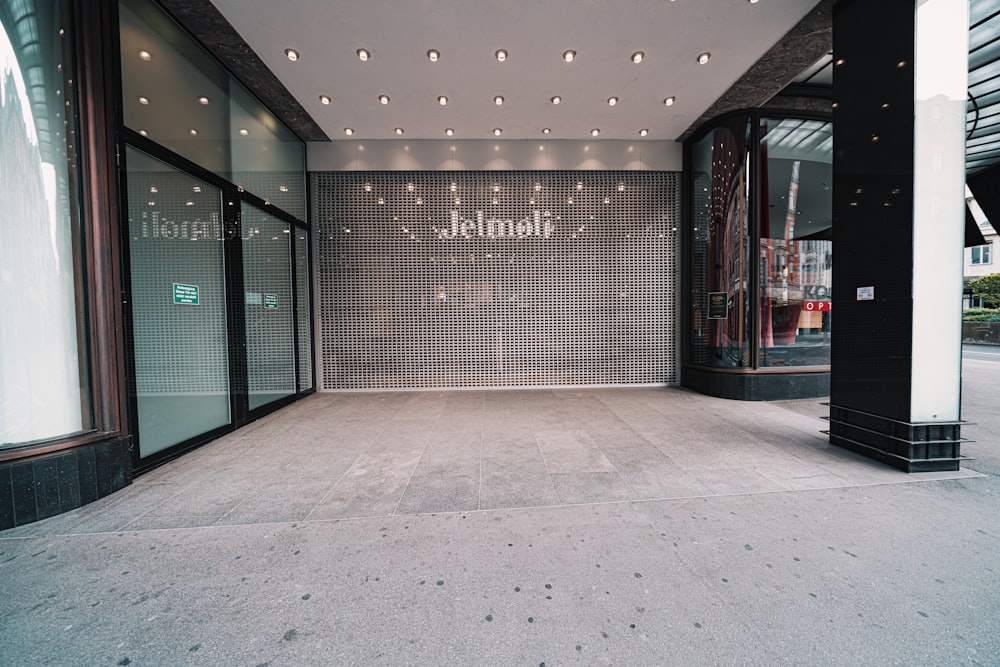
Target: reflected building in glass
[760, 257]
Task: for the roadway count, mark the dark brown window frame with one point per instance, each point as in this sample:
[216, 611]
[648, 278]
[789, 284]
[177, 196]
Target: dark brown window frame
[94, 54]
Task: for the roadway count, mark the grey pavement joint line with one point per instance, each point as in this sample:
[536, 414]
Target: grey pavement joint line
[413, 470]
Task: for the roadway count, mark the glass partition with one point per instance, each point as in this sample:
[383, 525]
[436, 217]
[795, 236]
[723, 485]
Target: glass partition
[720, 247]
[270, 328]
[178, 304]
[796, 242]
[179, 96]
[302, 288]
[216, 203]
[760, 246]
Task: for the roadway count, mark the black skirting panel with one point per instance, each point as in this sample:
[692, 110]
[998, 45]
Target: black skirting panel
[41, 487]
[912, 447]
[756, 386]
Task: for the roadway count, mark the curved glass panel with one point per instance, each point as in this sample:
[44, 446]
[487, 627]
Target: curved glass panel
[720, 247]
[44, 385]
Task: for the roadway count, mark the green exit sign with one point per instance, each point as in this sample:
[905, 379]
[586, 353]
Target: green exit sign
[185, 295]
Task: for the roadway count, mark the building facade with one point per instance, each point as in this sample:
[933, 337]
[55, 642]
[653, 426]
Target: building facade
[182, 251]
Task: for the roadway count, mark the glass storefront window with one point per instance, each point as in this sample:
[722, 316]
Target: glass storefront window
[178, 304]
[720, 247]
[796, 242]
[44, 376]
[177, 95]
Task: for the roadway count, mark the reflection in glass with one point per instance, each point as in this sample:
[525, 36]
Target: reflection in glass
[178, 304]
[270, 332]
[720, 247]
[302, 302]
[796, 242]
[176, 94]
[44, 385]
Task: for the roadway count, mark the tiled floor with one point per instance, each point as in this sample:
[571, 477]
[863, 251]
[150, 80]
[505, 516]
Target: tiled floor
[335, 456]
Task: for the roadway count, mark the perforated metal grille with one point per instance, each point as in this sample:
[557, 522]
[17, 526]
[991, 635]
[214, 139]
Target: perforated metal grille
[482, 279]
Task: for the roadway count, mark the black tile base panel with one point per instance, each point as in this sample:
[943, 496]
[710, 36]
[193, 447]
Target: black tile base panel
[40, 487]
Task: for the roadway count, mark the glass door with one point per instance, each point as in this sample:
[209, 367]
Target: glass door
[270, 312]
[177, 303]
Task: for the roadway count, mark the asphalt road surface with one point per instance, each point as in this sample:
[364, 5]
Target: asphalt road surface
[981, 352]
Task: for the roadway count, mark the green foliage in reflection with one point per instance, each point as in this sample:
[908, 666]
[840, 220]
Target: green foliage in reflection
[981, 315]
[987, 288]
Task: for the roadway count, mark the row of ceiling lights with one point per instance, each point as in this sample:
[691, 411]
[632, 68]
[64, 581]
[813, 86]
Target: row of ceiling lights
[498, 100]
[496, 131]
[501, 55]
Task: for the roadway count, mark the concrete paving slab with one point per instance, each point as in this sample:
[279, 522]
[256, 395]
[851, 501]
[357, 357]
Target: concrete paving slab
[571, 450]
[440, 493]
[591, 487]
[515, 489]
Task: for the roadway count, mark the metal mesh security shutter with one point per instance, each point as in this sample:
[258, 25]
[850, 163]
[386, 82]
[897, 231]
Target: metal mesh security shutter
[484, 279]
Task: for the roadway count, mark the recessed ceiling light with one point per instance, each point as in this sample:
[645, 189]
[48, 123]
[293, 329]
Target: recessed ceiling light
[754, 2]
[556, 99]
[449, 131]
[643, 132]
[442, 100]
[244, 131]
[398, 130]
[637, 57]
[292, 54]
[203, 101]
[595, 132]
[498, 100]
[348, 131]
[144, 133]
[546, 130]
[497, 131]
[143, 100]
[193, 132]
[501, 55]
[669, 101]
[568, 56]
[433, 55]
[145, 55]
[364, 54]
[612, 101]
[704, 58]
[384, 99]
[325, 99]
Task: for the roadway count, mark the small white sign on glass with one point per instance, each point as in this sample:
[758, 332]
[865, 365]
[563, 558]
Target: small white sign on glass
[866, 293]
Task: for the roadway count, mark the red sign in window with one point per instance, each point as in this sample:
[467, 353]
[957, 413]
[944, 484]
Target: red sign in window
[821, 306]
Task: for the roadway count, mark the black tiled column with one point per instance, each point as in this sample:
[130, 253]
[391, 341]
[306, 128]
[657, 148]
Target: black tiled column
[894, 396]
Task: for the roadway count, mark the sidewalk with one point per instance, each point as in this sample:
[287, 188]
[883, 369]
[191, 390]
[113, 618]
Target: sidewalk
[624, 526]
